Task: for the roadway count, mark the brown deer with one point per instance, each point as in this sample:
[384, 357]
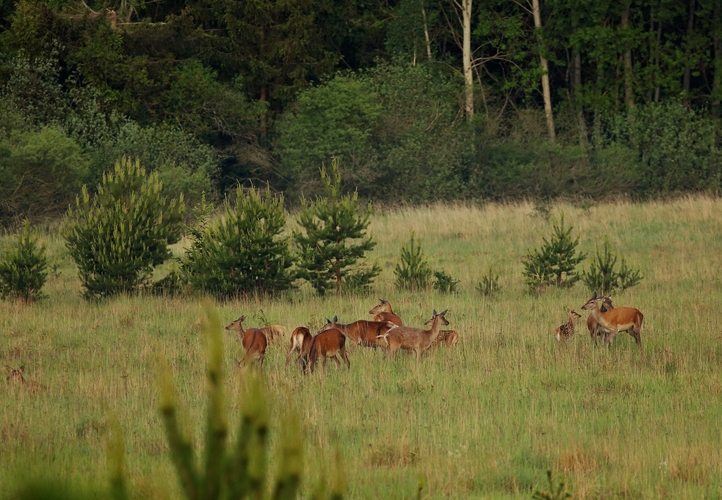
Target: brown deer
[273, 332]
[566, 330]
[301, 339]
[253, 339]
[619, 319]
[594, 329]
[447, 337]
[362, 332]
[16, 378]
[328, 344]
[414, 339]
[383, 312]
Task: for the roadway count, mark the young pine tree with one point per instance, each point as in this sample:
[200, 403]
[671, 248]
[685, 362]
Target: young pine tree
[23, 268]
[245, 252]
[413, 271]
[333, 238]
[118, 235]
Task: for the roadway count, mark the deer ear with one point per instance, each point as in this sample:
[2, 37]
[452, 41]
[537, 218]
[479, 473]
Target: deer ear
[435, 313]
[594, 296]
[383, 301]
[443, 312]
[328, 320]
[22, 369]
[8, 368]
[335, 319]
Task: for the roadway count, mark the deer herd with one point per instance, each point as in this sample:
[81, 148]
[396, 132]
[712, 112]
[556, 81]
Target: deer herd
[386, 330]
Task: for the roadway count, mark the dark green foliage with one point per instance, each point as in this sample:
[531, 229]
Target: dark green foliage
[489, 284]
[555, 262]
[245, 252]
[117, 236]
[602, 275]
[444, 282]
[413, 271]
[333, 238]
[23, 268]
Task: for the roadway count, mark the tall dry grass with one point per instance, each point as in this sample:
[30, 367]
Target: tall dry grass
[484, 419]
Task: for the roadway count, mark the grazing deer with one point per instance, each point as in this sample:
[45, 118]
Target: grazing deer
[567, 329]
[416, 339]
[617, 320]
[362, 332]
[16, 377]
[274, 331]
[301, 339]
[595, 331]
[253, 339]
[328, 344]
[383, 312]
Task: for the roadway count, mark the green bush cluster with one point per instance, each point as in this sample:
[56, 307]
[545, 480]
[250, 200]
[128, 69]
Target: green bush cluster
[414, 273]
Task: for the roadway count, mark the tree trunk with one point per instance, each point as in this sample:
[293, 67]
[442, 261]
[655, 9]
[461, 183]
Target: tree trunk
[546, 91]
[576, 84]
[687, 67]
[426, 31]
[628, 89]
[468, 75]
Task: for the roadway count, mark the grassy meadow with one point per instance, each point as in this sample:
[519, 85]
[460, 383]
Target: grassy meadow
[484, 419]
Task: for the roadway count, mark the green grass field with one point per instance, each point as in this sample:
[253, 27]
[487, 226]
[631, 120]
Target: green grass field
[484, 419]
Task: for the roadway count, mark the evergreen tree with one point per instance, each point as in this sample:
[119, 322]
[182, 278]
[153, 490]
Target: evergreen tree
[245, 251]
[24, 268]
[117, 236]
[334, 238]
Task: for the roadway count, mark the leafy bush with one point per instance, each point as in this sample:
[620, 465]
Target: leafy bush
[117, 236]
[334, 238]
[413, 271]
[245, 251]
[444, 282]
[489, 284]
[23, 268]
[603, 277]
[555, 262]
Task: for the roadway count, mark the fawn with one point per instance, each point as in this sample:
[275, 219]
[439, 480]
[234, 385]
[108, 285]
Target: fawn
[567, 329]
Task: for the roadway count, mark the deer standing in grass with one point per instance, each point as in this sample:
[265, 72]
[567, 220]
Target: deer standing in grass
[447, 337]
[383, 312]
[362, 332]
[566, 330]
[273, 332]
[617, 320]
[15, 376]
[595, 331]
[253, 339]
[301, 339]
[415, 339]
[328, 344]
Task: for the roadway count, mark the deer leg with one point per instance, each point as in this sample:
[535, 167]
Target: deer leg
[335, 360]
[344, 356]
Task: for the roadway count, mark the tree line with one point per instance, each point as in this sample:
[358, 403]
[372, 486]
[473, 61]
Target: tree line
[419, 100]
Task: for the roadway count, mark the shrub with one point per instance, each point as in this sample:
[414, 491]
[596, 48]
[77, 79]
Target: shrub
[489, 284]
[444, 282]
[334, 238]
[555, 262]
[603, 277]
[413, 272]
[245, 251]
[23, 268]
[117, 236]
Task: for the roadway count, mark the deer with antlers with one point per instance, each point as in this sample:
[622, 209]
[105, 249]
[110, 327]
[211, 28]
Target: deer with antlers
[253, 339]
[566, 330]
[383, 312]
[415, 339]
[619, 319]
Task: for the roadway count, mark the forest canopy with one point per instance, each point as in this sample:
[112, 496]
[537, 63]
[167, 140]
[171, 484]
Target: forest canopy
[418, 100]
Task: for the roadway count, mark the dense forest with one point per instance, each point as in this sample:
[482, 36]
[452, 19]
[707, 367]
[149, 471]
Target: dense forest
[419, 100]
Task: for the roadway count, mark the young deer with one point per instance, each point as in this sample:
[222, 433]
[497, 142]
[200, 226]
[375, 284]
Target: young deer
[619, 319]
[328, 344]
[16, 377]
[253, 339]
[595, 331]
[567, 329]
[383, 312]
[273, 332]
[301, 339]
[447, 337]
[362, 332]
[415, 339]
